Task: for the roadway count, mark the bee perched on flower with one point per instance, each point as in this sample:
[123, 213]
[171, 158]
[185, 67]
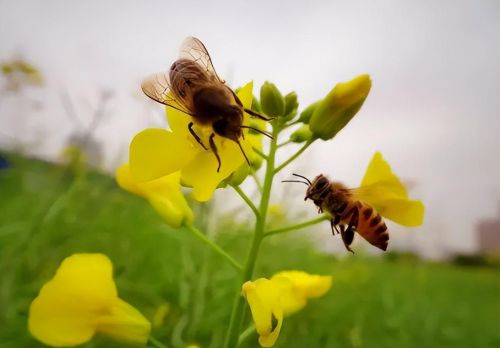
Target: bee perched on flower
[192, 86]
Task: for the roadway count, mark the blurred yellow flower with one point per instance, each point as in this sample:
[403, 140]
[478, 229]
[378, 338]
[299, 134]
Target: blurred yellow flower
[285, 293]
[158, 152]
[164, 194]
[80, 301]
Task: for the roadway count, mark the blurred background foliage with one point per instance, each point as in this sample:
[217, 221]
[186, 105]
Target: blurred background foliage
[48, 212]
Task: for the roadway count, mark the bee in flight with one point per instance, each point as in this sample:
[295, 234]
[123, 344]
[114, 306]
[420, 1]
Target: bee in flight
[381, 194]
[192, 86]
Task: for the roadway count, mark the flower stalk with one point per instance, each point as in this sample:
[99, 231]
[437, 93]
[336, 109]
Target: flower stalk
[296, 227]
[259, 232]
[212, 245]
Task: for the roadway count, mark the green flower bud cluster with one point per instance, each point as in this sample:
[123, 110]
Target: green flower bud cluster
[274, 104]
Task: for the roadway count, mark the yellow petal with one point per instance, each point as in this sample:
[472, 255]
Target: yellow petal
[157, 152]
[65, 310]
[405, 212]
[309, 285]
[245, 94]
[126, 181]
[124, 323]
[201, 173]
[178, 121]
[264, 299]
[383, 190]
[379, 172]
[304, 286]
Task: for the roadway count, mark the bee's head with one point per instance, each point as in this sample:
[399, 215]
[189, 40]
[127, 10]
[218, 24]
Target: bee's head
[229, 126]
[317, 187]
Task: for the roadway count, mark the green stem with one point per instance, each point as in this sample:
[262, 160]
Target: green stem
[284, 143]
[292, 124]
[294, 156]
[245, 335]
[237, 314]
[257, 181]
[217, 249]
[260, 153]
[297, 226]
[155, 343]
[247, 200]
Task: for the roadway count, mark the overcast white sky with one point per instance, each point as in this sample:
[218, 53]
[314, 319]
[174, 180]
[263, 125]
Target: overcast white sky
[433, 111]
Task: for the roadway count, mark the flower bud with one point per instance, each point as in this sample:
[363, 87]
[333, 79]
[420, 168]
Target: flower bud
[291, 105]
[305, 115]
[339, 107]
[302, 134]
[238, 176]
[271, 100]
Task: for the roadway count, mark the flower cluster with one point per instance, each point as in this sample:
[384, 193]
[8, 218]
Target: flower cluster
[82, 300]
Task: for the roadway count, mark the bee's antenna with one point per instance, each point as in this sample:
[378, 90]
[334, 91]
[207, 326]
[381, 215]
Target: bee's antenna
[303, 177]
[259, 131]
[305, 183]
[243, 152]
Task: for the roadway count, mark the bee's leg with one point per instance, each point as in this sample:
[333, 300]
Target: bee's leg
[347, 237]
[333, 225]
[348, 234]
[336, 220]
[255, 114]
[238, 101]
[214, 149]
[250, 112]
[191, 130]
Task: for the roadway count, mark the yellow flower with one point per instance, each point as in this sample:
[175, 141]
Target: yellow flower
[332, 113]
[303, 287]
[285, 293]
[158, 152]
[164, 194]
[80, 301]
[383, 190]
[264, 299]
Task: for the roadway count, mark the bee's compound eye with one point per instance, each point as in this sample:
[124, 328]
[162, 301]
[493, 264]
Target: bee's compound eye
[322, 183]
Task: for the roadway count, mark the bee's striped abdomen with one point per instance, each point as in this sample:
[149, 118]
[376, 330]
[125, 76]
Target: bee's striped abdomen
[372, 227]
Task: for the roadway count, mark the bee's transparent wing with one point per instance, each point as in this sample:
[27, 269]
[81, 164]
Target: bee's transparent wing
[157, 87]
[193, 49]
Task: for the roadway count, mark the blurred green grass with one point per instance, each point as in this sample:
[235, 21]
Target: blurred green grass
[46, 215]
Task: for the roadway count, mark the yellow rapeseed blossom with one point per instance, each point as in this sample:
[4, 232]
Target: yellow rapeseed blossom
[164, 194]
[264, 298]
[80, 301]
[383, 190]
[155, 152]
[285, 293]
